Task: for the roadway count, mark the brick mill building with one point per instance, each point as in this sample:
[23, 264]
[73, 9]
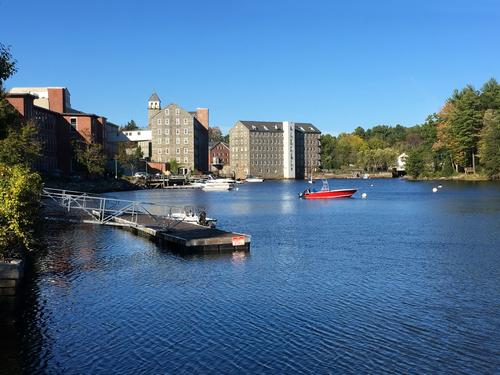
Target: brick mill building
[274, 150]
[178, 134]
[219, 153]
[58, 124]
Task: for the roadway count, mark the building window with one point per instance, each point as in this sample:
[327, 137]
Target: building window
[185, 121]
[167, 121]
[73, 122]
[177, 150]
[159, 151]
[159, 141]
[186, 141]
[186, 131]
[185, 159]
[167, 141]
[177, 111]
[177, 121]
[166, 112]
[167, 151]
[177, 131]
[158, 121]
[159, 131]
[178, 159]
[177, 141]
[167, 131]
[185, 150]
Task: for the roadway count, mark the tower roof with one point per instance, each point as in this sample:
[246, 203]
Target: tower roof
[154, 97]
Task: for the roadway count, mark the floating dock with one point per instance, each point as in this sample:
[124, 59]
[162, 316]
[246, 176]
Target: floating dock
[160, 223]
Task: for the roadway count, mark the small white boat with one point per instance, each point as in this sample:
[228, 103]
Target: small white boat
[254, 179]
[189, 215]
[218, 186]
[198, 183]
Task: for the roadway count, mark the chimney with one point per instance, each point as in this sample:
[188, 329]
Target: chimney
[202, 116]
[57, 99]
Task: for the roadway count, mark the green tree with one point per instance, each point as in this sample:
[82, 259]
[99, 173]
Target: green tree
[328, 146]
[466, 121]
[91, 157]
[131, 125]
[7, 65]
[419, 162]
[20, 191]
[348, 146]
[490, 95]
[360, 132]
[173, 166]
[215, 134]
[21, 145]
[129, 154]
[489, 144]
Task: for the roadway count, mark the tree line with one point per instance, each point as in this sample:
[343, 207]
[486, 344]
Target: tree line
[464, 135]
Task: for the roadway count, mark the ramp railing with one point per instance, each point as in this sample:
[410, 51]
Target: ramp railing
[104, 210]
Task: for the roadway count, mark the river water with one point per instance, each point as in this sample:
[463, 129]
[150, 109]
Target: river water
[405, 281]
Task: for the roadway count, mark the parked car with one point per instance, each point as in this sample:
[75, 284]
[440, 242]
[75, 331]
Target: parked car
[141, 175]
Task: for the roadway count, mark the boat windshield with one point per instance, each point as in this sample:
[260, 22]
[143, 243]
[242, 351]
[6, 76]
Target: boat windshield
[325, 186]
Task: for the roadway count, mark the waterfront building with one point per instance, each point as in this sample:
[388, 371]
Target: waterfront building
[219, 156]
[177, 134]
[274, 150]
[133, 138]
[58, 124]
[307, 150]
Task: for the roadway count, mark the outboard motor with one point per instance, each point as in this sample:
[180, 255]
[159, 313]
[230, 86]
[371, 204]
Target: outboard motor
[202, 220]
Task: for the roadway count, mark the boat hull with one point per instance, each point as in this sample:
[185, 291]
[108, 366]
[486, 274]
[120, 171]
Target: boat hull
[330, 194]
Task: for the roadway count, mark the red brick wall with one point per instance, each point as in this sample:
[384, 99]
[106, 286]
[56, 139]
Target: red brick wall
[221, 151]
[23, 104]
[83, 126]
[57, 100]
[202, 116]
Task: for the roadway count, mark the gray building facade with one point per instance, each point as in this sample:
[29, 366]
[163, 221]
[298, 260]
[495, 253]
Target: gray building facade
[274, 150]
[177, 134]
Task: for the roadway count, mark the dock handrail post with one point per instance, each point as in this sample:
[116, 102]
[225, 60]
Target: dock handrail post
[103, 210]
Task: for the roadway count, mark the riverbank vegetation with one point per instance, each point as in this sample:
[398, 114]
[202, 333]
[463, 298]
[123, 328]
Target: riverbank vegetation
[20, 187]
[463, 137]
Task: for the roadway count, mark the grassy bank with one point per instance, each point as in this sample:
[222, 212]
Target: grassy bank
[457, 177]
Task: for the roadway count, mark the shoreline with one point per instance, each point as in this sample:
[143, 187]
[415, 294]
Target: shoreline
[459, 177]
[98, 186]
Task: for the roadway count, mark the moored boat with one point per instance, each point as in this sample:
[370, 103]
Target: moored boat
[254, 179]
[193, 216]
[326, 193]
[219, 186]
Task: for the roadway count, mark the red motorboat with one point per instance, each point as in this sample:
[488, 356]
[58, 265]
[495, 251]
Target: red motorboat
[326, 193]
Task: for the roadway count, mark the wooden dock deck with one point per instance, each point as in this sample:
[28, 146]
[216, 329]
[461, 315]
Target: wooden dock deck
[186, 236]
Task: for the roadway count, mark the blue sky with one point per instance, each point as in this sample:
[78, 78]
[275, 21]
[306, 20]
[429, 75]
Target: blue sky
[336, 64]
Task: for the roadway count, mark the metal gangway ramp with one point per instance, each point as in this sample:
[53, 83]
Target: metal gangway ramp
[96, 209]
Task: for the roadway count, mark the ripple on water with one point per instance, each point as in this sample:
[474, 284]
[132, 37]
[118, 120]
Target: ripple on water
[403, 282]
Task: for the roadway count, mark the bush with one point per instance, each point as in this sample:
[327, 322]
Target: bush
[20, 191]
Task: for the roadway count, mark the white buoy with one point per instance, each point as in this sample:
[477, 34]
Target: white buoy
[440, 186]
[371, 185]
[434, 190]
[364, 195]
